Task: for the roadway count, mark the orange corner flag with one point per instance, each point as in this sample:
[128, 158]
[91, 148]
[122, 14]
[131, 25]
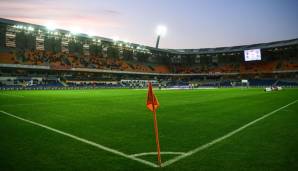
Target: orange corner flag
[152, 105]
[152, 102]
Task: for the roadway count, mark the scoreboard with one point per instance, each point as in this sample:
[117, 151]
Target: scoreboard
[252, 55]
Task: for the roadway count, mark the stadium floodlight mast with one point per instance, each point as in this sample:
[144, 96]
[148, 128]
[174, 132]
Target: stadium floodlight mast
[161, 31]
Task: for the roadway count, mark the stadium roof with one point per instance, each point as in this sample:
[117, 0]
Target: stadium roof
[237, 48]
[275, 44]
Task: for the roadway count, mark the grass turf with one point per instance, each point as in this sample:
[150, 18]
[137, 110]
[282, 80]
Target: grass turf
[118, 119]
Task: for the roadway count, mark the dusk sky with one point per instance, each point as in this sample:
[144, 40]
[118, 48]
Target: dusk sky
[190, 23]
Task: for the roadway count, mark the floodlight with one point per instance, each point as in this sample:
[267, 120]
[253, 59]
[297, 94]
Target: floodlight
[30, 28]
[91, 33]
[75, 30]
[115, 38]
[51, 26]
[161, 30]
[125, 41]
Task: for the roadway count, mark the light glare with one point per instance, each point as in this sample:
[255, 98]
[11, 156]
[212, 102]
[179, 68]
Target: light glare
[75, 30]
[161, 30]
[115, 38]
[51, 26]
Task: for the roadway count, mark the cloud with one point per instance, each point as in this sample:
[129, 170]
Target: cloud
[64, 14]
[114, 12]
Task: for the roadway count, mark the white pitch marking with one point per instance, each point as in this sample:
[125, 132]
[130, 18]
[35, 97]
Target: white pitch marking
[43, 103]
[30, 104]
[83, 140]
[154, 153]
[11, 95]
[200, 148]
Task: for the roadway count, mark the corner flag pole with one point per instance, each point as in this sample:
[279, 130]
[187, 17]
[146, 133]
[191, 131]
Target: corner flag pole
[152, 105]
[156, 137]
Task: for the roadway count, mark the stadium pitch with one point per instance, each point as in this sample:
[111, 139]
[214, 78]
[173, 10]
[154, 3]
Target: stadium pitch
[216, 129]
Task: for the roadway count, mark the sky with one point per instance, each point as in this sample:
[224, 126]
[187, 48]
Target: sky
[190, 23]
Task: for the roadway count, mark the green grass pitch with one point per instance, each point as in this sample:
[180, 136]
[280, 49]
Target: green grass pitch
[118, 119]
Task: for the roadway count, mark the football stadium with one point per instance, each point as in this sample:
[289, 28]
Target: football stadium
[71, 101]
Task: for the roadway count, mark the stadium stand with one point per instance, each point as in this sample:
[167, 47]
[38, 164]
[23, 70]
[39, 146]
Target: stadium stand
[59, 59]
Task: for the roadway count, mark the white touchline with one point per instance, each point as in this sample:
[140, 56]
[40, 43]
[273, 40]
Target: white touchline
[83, 140]
[154, 153]
[12, 95]
[43, 103]
[31, 104]
[200, 148]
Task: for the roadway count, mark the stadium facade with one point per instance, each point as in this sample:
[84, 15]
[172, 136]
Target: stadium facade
[34, 56]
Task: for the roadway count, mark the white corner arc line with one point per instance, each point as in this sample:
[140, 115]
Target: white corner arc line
[83, 140]
[200, 148]
[154, 153]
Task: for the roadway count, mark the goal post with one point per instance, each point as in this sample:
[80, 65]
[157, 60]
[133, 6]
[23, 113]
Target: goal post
[245, 83]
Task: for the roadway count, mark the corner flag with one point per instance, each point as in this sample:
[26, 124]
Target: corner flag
[152, 102]
[152, 105]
